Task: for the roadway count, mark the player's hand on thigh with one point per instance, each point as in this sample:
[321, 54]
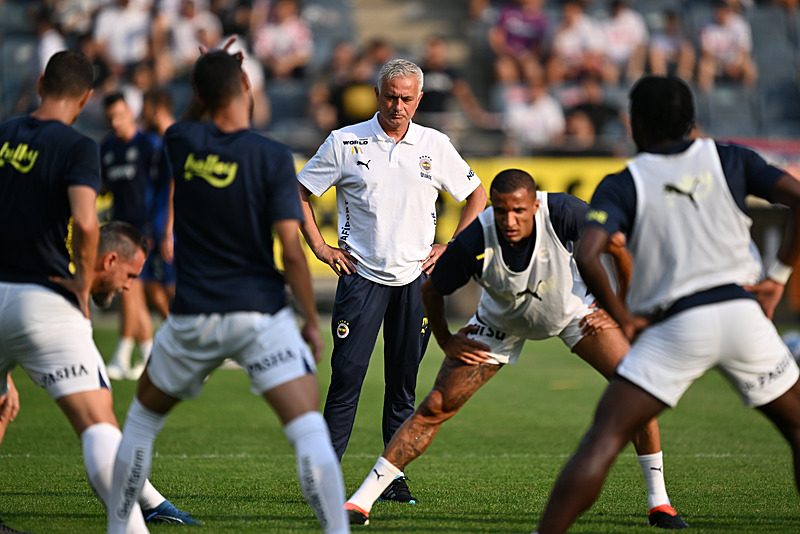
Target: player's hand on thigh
[460, 347]
[9, 403]
[768, 294]
[597, 321]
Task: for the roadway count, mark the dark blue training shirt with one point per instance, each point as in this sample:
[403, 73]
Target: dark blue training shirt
[39, 160]
[158, 191]
[460, 261]
[229, 190]
[128, 170]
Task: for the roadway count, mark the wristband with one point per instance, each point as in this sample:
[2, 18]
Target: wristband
[780, 272]
[319, 250]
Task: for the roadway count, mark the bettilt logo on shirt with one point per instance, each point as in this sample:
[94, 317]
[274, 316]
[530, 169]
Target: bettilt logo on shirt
[217, 173]
[20, 157]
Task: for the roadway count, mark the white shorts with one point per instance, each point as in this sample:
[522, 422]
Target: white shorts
[506, 348]
[50, 339]
[734, 336]
[188, 347]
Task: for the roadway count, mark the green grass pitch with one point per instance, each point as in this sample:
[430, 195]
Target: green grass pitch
[224, 458]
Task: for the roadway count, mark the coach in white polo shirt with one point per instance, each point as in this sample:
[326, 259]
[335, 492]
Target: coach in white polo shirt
[388, 173]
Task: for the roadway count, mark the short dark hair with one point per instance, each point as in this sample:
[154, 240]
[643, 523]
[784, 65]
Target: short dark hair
[67, 74]
[112, 99]
[216, 79]
[664, 106]
[159, 97]
[510, 180]
[122, 237]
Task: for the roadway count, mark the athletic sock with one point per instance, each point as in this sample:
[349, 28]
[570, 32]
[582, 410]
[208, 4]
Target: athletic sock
[146, 347]
[318, 471]
[99, 443]
[122, 353]
[378, 480]
[150, 497]
[653, 471]
[132, 466]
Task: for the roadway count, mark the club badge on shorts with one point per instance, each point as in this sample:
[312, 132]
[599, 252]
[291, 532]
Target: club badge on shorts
[342, 329]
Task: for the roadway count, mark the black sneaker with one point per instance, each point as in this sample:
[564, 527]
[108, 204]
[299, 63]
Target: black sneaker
[356, 517]
[5, 529]
[666, 517]
[398, 491]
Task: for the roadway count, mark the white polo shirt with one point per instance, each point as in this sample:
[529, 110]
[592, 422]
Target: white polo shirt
[386, 194]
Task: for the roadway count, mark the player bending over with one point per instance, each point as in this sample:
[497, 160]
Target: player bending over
[519, 250]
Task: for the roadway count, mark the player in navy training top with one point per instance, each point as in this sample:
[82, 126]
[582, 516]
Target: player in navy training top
[233, 188]
[689, 306]
[158, 275]
[129, 162]
[49, 178]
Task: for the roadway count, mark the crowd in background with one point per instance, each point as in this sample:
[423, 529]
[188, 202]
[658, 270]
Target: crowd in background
[556, 72]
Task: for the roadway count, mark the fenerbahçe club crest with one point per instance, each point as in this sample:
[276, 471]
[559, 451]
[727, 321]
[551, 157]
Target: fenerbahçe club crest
[342, 329]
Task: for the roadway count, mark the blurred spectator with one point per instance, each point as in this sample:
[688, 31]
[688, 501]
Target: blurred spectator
[726, 44]
[284, 44]
[194, 26]
[334, 77]
[262, 109]
[235, 16]
[355, 101]
[671, 52]
[122, 30]
[378, 52]
[49, 38]
[593, 120]
[626, 37]
[536, 124]
[443, 84]
[519, 36]
[577, 47]
[142, 80]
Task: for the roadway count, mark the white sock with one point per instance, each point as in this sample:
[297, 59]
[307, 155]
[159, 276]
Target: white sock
[134, 457]
[100, 442]
[318, 471]
[150, 497]
[378, 480]
[653, 471]
[122, 354]
[146, 347]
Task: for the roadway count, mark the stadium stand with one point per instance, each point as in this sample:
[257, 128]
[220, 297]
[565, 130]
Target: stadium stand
[771, 110]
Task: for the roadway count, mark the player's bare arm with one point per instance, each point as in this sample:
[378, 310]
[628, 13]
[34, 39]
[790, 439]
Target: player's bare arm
[457, 346]
[623, 262]
[168, 240]
[592, 245]
[339, 260]
[299, 280]
[476, 202]
[455, 384]
[770, 290]
[85, 236]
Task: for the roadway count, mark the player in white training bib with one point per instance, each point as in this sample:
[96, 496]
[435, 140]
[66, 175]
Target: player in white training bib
[519, 250]
[692, 304]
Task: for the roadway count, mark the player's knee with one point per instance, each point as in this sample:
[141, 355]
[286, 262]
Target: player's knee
[434, 409]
